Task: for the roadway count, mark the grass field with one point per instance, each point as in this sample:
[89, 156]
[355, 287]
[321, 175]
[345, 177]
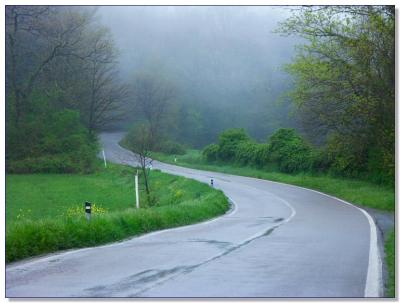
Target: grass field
[45, 213]
[356, 191]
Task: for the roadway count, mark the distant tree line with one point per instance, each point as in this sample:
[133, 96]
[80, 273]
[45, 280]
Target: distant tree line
[61, 87]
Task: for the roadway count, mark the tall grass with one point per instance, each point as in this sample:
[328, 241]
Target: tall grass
[179, 201]
[390, 261]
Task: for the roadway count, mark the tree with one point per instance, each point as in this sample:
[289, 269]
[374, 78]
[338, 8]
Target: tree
[344, 78]
[88, 79]
[105, 96]
[140, 142]
[152, 99]
[35, 36]
[58, 59]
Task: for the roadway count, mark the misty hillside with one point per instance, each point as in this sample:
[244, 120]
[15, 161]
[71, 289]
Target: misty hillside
[226, 63]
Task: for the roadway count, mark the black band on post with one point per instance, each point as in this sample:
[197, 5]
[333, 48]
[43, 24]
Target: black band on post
[88, 207]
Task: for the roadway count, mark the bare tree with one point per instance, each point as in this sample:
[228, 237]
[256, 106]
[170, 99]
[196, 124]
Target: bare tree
[152, 97]
[140, 142]
[63, 53]
[106, 95]
[35, 36]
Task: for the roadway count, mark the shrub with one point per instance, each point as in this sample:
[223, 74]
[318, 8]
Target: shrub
[228, 142]
[57, 143]
[381, 166]
[289, 150]
[210, 152]
[320, 161]
[246, 153]
[346, 160]
[261, 156]
[172, 148]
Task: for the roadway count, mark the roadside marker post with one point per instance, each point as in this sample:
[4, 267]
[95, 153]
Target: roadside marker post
[137, 188]
[104, 157]
[88, 210]
[212, 182]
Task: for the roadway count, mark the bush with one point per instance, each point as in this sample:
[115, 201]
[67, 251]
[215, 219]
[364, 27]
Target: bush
[346, 160]
[381, 168]
[228, 142]
[172, 148]
[261, 156]
[210, 152]
[246, 153]
[57, 143]
[289, 150]
[320, 162]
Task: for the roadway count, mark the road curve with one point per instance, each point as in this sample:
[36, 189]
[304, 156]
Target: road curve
[278, 241]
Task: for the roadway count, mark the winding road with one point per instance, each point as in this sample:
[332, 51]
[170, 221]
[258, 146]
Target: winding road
[277, 241]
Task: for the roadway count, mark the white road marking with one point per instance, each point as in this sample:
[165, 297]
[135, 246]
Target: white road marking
[374, 281]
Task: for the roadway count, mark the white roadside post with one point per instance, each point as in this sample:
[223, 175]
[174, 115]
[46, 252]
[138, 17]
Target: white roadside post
[104, 157]
[137, 188]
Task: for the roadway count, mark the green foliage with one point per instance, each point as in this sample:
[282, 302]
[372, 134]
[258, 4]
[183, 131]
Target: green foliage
[285, 149]
[228, 141]
[261, 157]
[344, 85]
[246, 153]
[172, 148]
[49, 200]
[51, 143]
[346, 160]
[321, 162]
[139, 138]
[290, 151]
[359, 192]
[210, 152]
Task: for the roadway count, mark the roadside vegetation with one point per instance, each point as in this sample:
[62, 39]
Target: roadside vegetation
[390, 247]
[45, 213]
[284, 158]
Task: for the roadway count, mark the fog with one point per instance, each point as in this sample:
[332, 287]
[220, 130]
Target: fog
[225, 61]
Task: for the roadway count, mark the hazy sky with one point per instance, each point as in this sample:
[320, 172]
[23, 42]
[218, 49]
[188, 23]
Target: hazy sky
[224, 58]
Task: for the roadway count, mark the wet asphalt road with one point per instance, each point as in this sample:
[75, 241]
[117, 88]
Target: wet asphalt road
[277, 241]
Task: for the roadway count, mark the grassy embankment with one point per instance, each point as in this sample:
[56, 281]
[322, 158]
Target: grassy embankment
[45, 212]
[390, 262]
[356, 191]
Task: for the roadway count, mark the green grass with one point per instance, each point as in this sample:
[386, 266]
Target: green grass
[356, 191]
[45, 212]
[39, 196]
[390, 261]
